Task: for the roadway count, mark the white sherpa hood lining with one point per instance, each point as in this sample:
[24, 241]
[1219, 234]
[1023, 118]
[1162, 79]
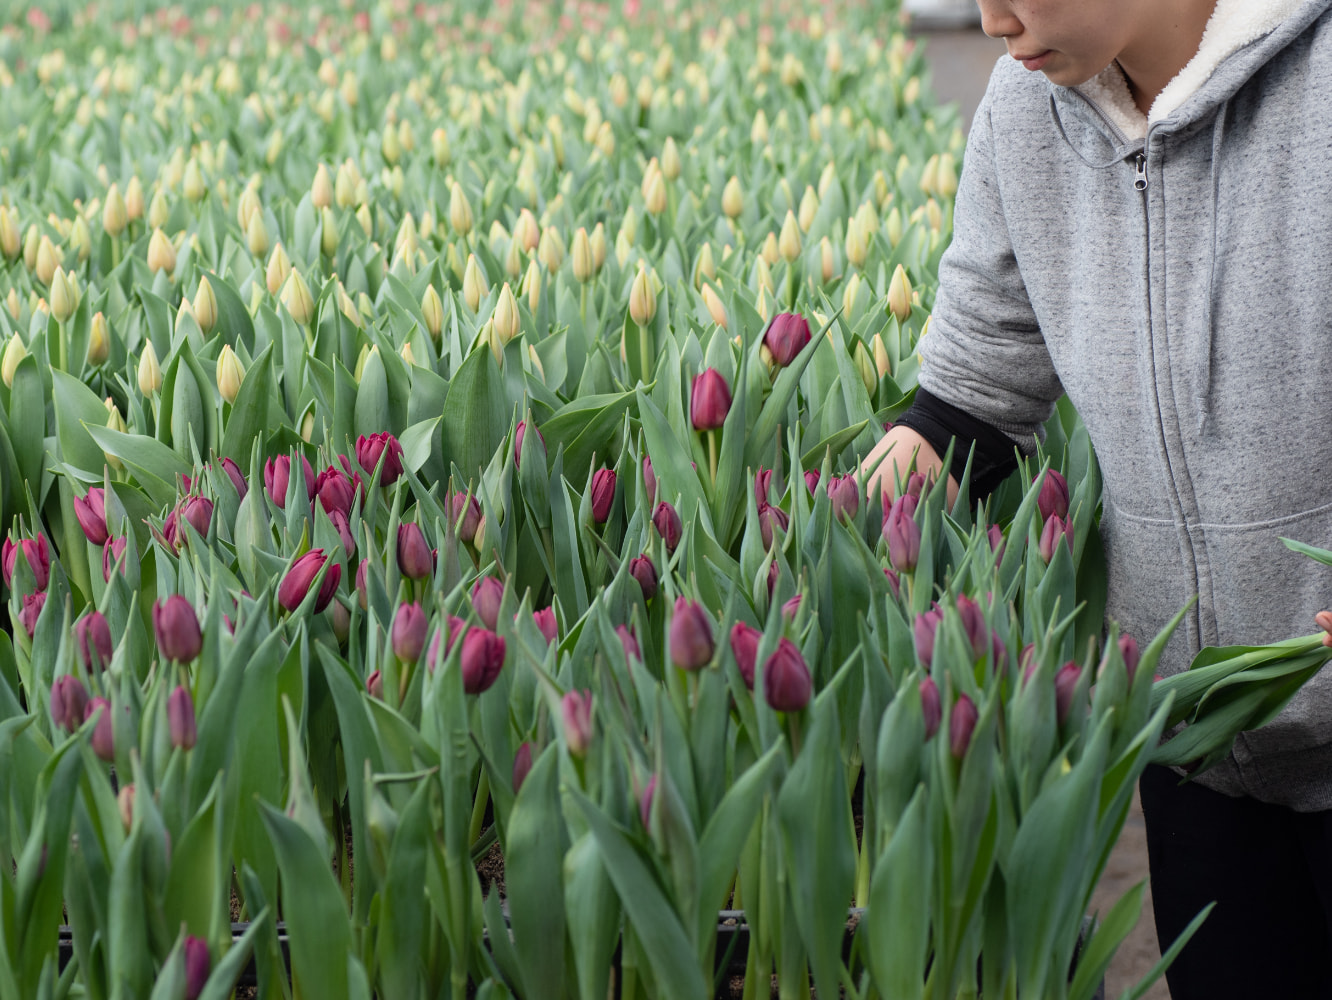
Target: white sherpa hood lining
[1233, 24]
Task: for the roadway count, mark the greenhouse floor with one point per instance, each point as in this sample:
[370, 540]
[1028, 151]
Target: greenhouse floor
[960, 63]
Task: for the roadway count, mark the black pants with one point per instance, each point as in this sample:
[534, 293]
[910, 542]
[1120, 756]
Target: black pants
[1269, 870]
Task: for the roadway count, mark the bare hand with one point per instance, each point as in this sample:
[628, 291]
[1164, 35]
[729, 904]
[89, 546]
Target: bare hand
[1324, 621]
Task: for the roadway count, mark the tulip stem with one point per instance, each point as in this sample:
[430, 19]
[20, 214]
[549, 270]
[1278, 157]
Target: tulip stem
[479, 807]
[582, 302]
[712, 455]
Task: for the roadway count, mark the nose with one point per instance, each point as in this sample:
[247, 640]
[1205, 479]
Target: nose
[998, 19]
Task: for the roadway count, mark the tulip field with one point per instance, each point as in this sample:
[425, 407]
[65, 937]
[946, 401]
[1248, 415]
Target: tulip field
[437, 548]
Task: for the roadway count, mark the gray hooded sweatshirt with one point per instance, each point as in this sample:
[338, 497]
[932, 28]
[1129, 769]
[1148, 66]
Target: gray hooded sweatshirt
[1172, 274]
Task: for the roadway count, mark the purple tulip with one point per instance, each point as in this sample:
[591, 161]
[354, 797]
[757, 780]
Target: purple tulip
[690, 635]
[482, 659]
[35, 553]
[334, 489]
[645, 801]
[91, 512]
[973, 624]
[180, 719]
[236, 476]
[69, 702]
[744, 647]
[522, 765]
[1053, 497]
[603, 494]
[546, 623]
[374, 684]
[642, 569]
[915, 486]
[487, 594]
[709, 400]
[456, 628]
[812, 481]
[277, 476]
[343, 527]
[362, 594]
[844, 493]
[301, 577]
[1066, 686]
[103, 735]
[111, 553]
[786, 337]
[894, 581]
[415, 560]
[771, 517]
[518, 437]
[791, 607]
[774, 574]
[198, 511]
[923, 630]
[961, 724]
[1128, 649]
[1055, 530]
[931, 707]
[649, 479]
[465, 512]
[903, 534]
[93, 634]
[576, 714]
[629, 642]
[786, 681]
[996, 536]
[369, 450]
[408, 633]
[762, 486]
[197, 964]
[667, 522]
[177, 628]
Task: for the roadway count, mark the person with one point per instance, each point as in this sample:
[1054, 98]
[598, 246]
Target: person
[1144, 223]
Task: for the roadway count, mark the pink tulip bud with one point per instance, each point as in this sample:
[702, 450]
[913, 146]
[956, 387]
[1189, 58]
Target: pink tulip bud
[277, 476]
[709, 400]
[236, 476]
[931, 707]
[812, 481]
[791, 607]
[668, 524]
[338, 613]
[198, 511]
[456, 627]
[649, 479]
[408, 633]
[1055, 530]
[629, 642]
[576, 714]
[603, 494]
[31, 611]
[1066, 686]
[487, 595]
[973, 624]
[844, 492]
[518, 437]
[180, 719]
[301, 577]
[197, 965]
[111, 552]
[787, 335]
[774, 574]
[961, 724]
[91, 512]
[894, 581]
[545, 622]
[343, 527]
[923, 630]
[482, 659]
[915, 486]
[769, 518]
[177, 628]
[374, 684]
[69, 702]
[903, 534]
[415, 560]
[645, 801]
[369, 450]
[642, 570]
[465, 512]
[1027, 662]
[690, 635]
[35, 553]
[786, 681]
[744, 647]
[762, 486]
[334, 490]
[1053, 497]
[1128, 649]
[103, 735]
[93, 634]
[522, 765]
[996, 536]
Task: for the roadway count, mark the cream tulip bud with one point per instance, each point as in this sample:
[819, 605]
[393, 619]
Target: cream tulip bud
[857, 245]
[407, 354]
[15, 351]
[321, 190]
[515, 259]
[134, 199]
[158, 210]
[439, 147]
[115, 216]
[865, 365]
[474, 284]
[161, 253]
[150, 372]
[788, 244]
[505, 316]
[526, 232]
[48, 260]
[193, 184]
[205, 306]
[769, 251]
[882, 362]
[945, 179]
[460, 210]
[328, 232]
[256, 235]
[893, 227]
[598, 243]
[809, 208]
[670, 159]
[344, 187]
[230, 374]
[550, 251]
[296, 297]
[10, 240]
[584, 269]
[733, 198]
[850, 293]
[389, 146]
[655, 199]
[899, 295]
[279, 267]
[432, 309]
[827, 260]
[64, 295]
[486, 335]
[531, 285]
[705, 266]
[99, 340]
[642, 299]
[715, 307]
[363, 218]
[115, 422]
[32, 240]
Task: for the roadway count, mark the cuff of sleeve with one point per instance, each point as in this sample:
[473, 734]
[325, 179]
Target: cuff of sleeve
[940, 423]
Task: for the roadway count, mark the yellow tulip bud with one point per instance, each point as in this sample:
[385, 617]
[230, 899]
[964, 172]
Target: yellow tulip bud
[246, 205]
[460, 210]
[733, 198]
[366, 222]
[115, 422]
[763, 306]
[366, 351]
[328, 232]
[230, 374]
[929, 175]
[12, 303]
[10, 241]
[346, 306]
[809, 208]
[432, 308]
[934, 215]
[531, 285]
[505, 317]
[583, 265]
[850, 293]
[439, 147]
[99, 340]
[857, 246]
[297, 298]
[670, 159]
[655, 201]
[32, 240]
[788, 244]
[64, 295]
[193, 184]
[899, 295]
[406, 137]
[882, 363]
[158, 210]
[321, 190]
[827, 260]
[828, 178]
[642, 299]
[134, 199]
[48, 260]
[308, 426]
[389, 146]
[515, 260]
[474, 284]
[15, 351]
[606, 140]
[770, 252]
[715, 307]
[550, 250]
[763, 275]
[150, 372]
[758, 132]
[161, 253]
[407, 354]
[893, 227]
[705, 266]
[865, 365]
[598, 243]
[115, 216]
[279, 267]
[205, 306]
[945, 181]
[256, 235]
[526, 232]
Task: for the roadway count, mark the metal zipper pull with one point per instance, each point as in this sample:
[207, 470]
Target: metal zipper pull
[1140, 178]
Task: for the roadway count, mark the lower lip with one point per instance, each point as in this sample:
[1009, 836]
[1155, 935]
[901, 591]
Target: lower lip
[1037, 63]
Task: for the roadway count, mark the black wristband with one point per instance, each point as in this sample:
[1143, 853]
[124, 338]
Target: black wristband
[940, 423]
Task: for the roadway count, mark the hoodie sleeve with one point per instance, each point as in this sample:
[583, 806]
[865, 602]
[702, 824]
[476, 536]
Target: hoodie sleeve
[984, 352]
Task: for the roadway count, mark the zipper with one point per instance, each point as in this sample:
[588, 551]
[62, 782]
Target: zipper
[1140, 174]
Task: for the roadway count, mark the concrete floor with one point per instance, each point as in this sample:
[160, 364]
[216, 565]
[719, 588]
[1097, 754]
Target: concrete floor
[960, 65]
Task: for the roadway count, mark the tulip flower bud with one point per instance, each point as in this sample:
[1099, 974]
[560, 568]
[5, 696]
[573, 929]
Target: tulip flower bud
[1055, 529]
[111, 553]
[64, 295]
[125, 803]
[1053, 497]
[690, 635]
[931, 707]
[374, 685]
[69, 702]
[1066, 686]
[547, 624]
[334, 491]
[654, 197]
[786, 681]
[103, 736]
[899, 295]
[408, 633]
[278, 270]
[415, 560]
[597, 241]
[482, 659]
[788, 243]
[812, 480]
[205, 306]
[197, 965]
[642, 570]
[48, 260]
[744, 647]
[177, 629]
[321, 191]
[869, 375]
[642, 299]
[923, 631]
[460, 210]
[256, 235]
[93, 634]
[550, 250]
[15, 351]
[505, 317]
[91, 513]
[150, 372]
[961, 724]
[487, 596]
[771, 517]
[230, 373]
[786, 337]
[1128, 649]
[161, 253]
[296, 297]
[432, 309]
[10, 241]
[733, 198]
[844, 493]
[180, 719]
[716, 308]
[518, 436]
[99, 340]
[667, 522]
[649, 478]
[709, 400]
[295, 586]
[576, 715]
[584, 267]
[903, 535]
[603, 494]
[973, 624]
[439, 147]
[369, 451]
[474, 284]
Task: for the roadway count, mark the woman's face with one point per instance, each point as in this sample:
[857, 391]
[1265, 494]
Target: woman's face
[1070, 41]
